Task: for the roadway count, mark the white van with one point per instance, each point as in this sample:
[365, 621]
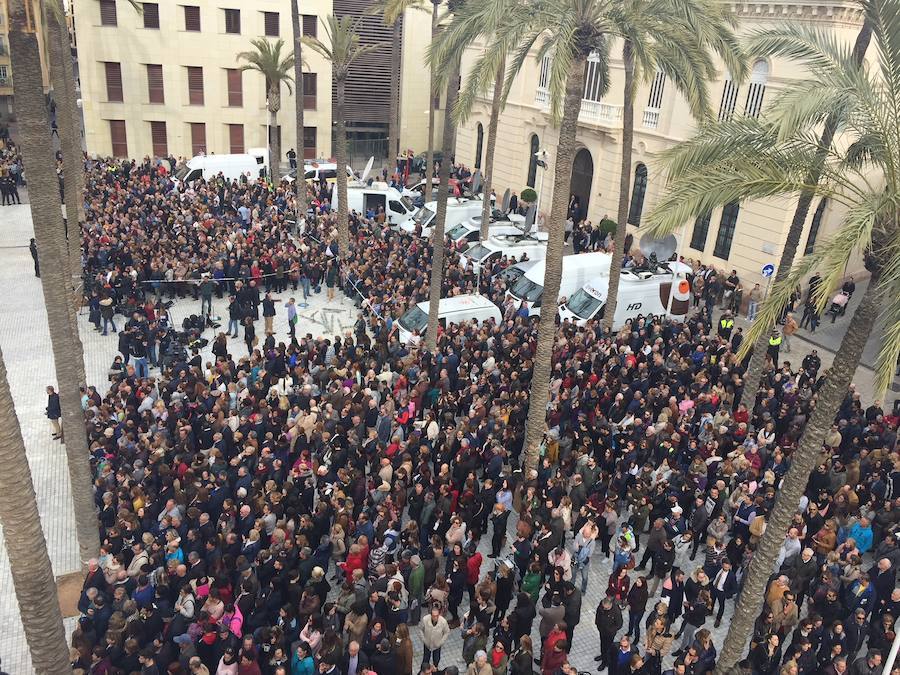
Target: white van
[483, 254]
[515, 272]
[641, 292]
[470, 231]
[361, 198]
[576, 271]
[232, 167]
[458, 309]
[459, 210]
[327, 171]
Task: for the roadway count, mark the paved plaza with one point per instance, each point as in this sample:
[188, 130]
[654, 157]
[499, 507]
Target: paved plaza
[26, 349]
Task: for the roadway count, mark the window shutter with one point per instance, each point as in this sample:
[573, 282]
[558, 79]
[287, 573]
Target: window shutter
[159, 139]
[272, 23]
[108, 16]
[113, 82]
[310, 87]
[235, 88]
[236, 138]
[195, 85]
[310, 25]
[192, 18]
[151, 15]
[198, 138]
[118, 138]
[309, 142]
[155, 89]
[233, 21]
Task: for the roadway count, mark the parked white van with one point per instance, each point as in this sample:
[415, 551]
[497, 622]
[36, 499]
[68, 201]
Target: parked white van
[577, 270]
[232, 167]
[483, 254]
[641, 292]
[470, 231]
[360, 198]
[458, 309]
[459, 210]
[319, 171]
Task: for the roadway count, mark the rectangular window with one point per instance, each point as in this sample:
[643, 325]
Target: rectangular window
[726, 230]
[272, 23]
[594, 78]
[656, 90]
[195, 85]
[310, 86]
[235, 88]
[117, 138]
[192, 18]
[151, 14]
[108, 16]
[113, 82]
[155, 91]
[198, 138]
[233, 21]
[701, 230]
[309, 142]
[236, 138]
[310, 25]
[4, 76]
[729, 98]
[159, 139]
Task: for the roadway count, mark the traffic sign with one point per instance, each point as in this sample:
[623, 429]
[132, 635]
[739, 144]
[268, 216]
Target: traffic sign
[768, 270]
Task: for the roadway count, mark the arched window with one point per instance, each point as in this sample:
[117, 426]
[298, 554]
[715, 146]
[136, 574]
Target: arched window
[534, 146]
[726, 230]
[638, 192]
[701, 230]
[814, 228]
[479, 142]
[758, 78]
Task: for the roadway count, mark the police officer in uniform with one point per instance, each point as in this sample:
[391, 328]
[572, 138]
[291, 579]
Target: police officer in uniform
[726, 325]
[774, 346]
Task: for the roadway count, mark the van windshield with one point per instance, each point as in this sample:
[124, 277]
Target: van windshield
[477, 252]
[583, 305]
[414, 320]
[423, 216]
[407, 204]
[181, 172]
[458, 232]
[526, 289]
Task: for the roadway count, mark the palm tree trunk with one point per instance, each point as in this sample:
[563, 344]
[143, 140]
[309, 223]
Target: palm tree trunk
[807, 456]
[758, 359]
[565, 154]
[73, 166]
[43, 189]
[393, 146]
[429, 156]
[340, 151]
[26, 546]
[274, 143]
[299, 182]
[491, 146]
[440, 217]
[615, 265]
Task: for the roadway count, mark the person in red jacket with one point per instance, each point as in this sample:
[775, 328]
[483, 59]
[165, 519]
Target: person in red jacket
[356, 559]
[473, 574]
[556, 656]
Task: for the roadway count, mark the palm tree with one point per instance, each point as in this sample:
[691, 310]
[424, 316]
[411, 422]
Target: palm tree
[299, 181]
[674, 36]
[432, 92]
[267, 60]
[392, 12]
[342, 50]
[25, 543]
[862, 174]
[677, 45]
[761, 44]
[448, 62]
[43, 189]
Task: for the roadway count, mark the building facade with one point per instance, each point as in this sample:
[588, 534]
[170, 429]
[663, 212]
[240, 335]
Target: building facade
[745, 236]
[167, 80]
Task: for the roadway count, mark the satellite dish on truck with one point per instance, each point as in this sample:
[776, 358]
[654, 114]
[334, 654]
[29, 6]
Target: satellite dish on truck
[477, 182]
[662, 248]
[367, 170]
[505, 202]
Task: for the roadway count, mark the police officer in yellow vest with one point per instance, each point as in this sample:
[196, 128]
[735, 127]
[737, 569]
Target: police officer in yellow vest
[726, 325]
[774, 346]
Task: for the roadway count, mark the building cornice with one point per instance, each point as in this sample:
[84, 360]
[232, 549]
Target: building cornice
[844, 13]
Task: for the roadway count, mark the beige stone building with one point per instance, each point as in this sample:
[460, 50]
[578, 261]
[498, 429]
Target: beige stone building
[167, 80]
[744, 237]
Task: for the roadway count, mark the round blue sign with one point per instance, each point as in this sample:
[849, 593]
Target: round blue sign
[768, 270]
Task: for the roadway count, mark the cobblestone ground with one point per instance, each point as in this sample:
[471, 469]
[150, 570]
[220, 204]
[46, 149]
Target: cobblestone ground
[26, 349]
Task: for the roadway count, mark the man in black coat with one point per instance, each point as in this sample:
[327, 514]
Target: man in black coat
[54, 412]
[608, 620]
[382, 660]
[355, 659]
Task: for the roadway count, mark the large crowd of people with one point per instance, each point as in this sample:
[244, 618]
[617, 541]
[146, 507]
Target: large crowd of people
[350, 504]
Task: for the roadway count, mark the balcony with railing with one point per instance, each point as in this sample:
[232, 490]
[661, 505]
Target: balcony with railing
[600, 113]
[542, 97]
[651, 118]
